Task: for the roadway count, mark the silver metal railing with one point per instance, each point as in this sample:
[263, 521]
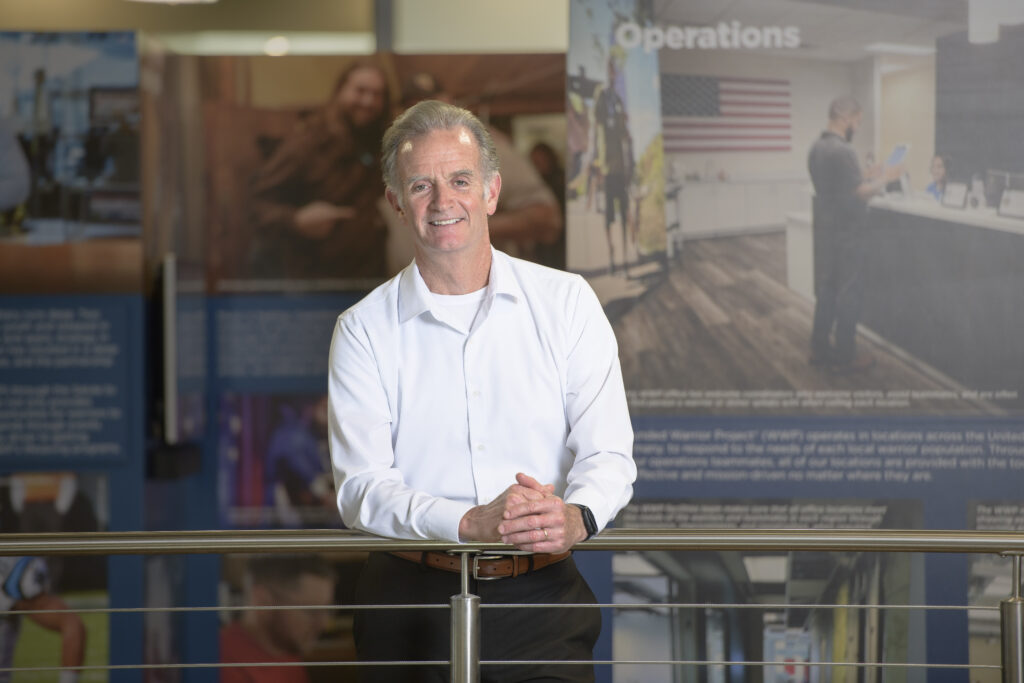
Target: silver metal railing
[327, 540]
[465, 607]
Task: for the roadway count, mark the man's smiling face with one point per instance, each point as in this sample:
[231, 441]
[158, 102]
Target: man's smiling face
[443, 194]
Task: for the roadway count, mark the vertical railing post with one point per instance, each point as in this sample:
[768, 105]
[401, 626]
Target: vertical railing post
[1011, 612]
[465, 656]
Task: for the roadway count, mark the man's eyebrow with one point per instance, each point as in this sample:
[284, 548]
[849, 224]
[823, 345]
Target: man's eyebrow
[454, 174]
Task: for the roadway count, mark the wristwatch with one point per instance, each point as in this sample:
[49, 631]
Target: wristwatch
[589, 523]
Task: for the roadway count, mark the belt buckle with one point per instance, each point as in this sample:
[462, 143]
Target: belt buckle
[476, 567]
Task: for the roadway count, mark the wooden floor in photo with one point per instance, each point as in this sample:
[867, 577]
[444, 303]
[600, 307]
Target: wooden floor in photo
[723, 320]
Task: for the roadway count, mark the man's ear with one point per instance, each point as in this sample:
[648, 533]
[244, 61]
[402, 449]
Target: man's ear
[493, 189]
[392, 198]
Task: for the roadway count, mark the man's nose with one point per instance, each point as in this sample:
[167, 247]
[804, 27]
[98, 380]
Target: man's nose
[441, 196]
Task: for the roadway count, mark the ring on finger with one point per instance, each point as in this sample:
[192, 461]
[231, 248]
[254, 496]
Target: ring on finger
[545, 532]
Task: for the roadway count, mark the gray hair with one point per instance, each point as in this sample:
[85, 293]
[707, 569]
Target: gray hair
[843, 106]
[426, 117]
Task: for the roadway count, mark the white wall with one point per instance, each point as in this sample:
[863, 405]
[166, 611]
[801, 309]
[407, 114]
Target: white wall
[449, 26]
[866, 87]
[908, 116]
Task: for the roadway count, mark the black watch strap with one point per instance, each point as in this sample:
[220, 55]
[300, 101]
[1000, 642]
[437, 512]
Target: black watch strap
[589, 523]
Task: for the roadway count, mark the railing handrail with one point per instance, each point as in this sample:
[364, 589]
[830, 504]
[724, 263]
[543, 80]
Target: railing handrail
[336, 540]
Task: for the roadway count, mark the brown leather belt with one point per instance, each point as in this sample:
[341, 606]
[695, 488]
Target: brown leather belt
[485, 567]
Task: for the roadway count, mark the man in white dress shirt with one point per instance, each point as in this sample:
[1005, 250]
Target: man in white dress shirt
[474, 397]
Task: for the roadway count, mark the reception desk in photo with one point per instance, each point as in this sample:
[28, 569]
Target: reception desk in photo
[945, 285]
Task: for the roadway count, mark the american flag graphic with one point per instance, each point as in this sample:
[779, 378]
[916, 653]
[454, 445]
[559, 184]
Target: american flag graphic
[713, 114]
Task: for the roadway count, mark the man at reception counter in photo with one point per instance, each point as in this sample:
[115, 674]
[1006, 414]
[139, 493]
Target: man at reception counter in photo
[474, 397]
[840, 207]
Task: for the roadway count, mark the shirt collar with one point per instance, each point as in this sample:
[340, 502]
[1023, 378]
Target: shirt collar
[503, 280]
[414, 297]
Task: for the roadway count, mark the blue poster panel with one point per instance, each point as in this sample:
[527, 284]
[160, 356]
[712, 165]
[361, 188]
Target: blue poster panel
[71, 431]
[271, 406]
[71, 385]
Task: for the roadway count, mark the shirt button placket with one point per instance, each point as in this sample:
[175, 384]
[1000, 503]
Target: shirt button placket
[474, 416]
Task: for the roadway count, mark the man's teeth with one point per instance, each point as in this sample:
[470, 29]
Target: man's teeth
[448, 221]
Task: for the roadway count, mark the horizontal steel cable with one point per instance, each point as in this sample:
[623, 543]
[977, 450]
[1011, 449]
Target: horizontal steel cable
[489, 605]
[498, 662]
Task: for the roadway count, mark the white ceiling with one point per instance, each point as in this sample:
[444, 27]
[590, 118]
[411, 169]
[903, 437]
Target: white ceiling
[828, 30]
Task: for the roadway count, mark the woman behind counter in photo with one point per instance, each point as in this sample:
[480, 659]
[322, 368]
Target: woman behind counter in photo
[940, 174]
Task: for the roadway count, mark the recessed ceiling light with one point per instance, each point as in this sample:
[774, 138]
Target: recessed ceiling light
[276, 46]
